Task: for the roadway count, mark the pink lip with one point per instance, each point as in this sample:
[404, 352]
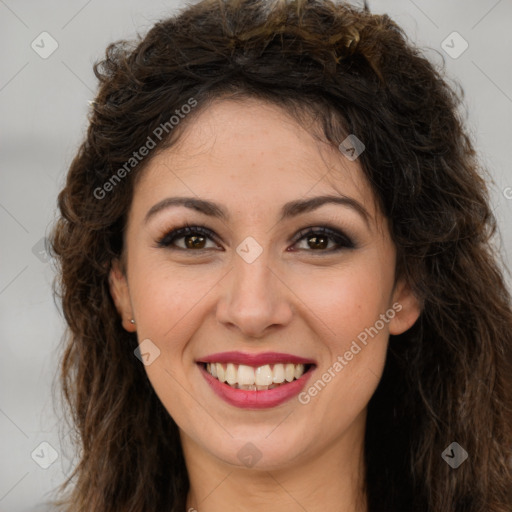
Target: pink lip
[254, 359]
[255, 399]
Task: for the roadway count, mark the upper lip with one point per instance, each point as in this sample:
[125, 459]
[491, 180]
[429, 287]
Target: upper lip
[254, 359]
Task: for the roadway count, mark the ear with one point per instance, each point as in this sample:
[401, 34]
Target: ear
[121, 295]
[407, 308]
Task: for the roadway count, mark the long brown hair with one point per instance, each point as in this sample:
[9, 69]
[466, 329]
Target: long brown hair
[447, 379]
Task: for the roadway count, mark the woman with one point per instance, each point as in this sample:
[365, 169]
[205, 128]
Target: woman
[277, 274]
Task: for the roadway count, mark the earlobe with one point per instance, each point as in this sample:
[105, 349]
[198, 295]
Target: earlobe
[121, 295]
[407, 308]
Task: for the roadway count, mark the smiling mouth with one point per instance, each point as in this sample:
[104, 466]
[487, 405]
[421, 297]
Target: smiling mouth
[260, 378]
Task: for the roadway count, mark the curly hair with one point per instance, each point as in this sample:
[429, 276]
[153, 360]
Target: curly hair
[448, 378]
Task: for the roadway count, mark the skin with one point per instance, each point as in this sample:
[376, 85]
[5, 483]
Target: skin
[251, 158]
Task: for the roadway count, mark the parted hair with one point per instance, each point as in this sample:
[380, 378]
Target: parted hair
[447, 379]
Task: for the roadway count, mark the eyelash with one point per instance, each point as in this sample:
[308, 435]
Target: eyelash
[342, 240]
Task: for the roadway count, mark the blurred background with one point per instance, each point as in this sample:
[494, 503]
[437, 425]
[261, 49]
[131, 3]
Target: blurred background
[48, 49]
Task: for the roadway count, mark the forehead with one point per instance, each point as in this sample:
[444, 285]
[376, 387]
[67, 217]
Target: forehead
[252, 153]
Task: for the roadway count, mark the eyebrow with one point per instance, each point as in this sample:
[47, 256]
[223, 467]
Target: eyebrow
[289, 210]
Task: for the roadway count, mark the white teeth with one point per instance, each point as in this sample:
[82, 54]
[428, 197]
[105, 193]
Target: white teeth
[264, 375]
[278, 373]
[231, 374]
[261, 378]
[221, 374]
[245, 375]
[289, 372]
[299, 370]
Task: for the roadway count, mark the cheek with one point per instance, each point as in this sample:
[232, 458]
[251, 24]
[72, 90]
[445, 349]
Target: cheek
[165, 295]
[348, 303]
[166, 301]
[349, 299]
[352, 308]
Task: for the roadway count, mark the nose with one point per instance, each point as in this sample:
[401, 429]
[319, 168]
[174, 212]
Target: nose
[254, 299]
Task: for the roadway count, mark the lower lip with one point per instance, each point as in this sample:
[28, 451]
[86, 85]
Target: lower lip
[256, 399]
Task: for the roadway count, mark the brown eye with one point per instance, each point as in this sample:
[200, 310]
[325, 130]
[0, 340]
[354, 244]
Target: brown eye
[318, 240]
[194, 241]
[194, 237]
[197, 237]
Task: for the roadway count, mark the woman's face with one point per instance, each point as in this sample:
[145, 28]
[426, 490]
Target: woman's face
[257, 282]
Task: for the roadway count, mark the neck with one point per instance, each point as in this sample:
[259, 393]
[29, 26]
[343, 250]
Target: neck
[330, 481]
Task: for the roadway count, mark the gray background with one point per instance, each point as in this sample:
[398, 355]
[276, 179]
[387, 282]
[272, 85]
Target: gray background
[43, 119]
